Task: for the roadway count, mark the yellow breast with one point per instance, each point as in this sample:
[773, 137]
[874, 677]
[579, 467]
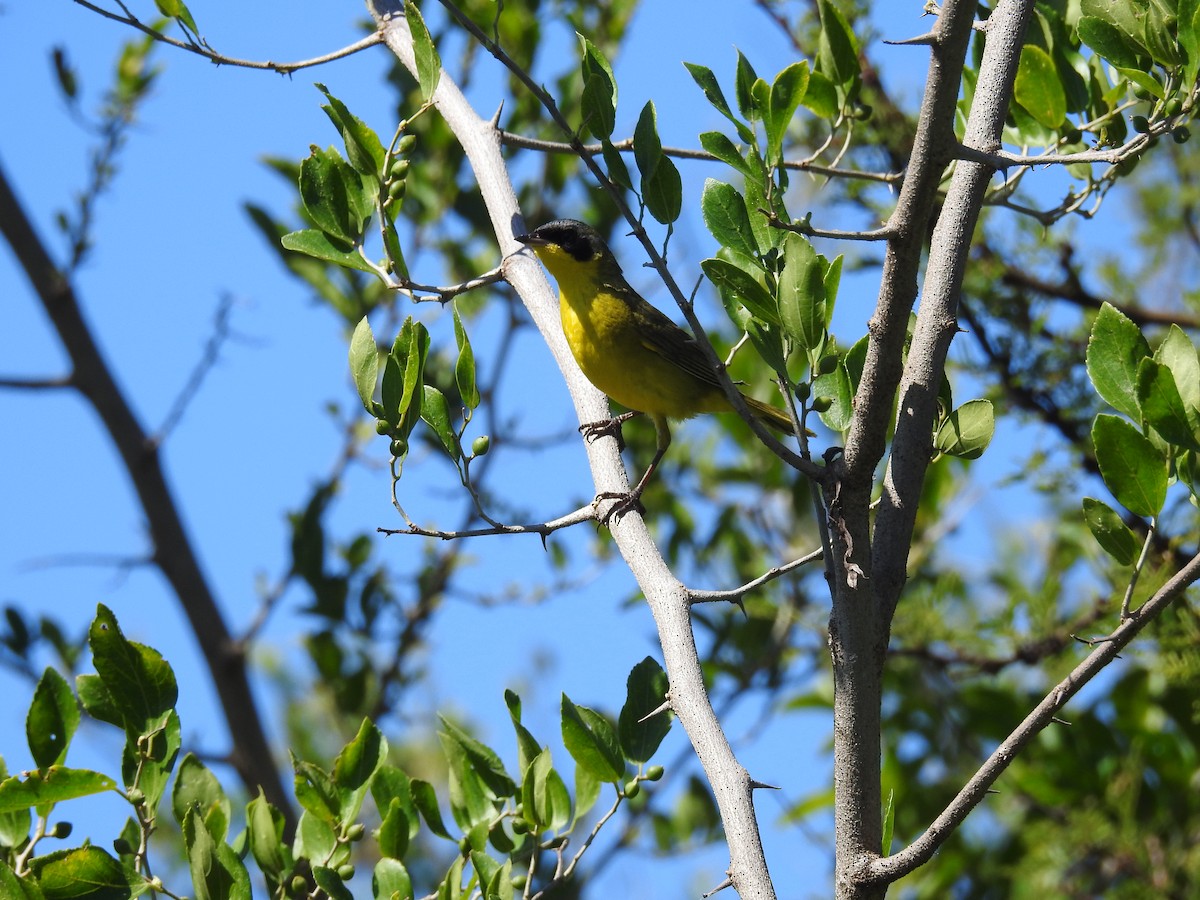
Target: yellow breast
[605, 337]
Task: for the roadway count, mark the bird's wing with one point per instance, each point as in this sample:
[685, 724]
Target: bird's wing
[660, 335]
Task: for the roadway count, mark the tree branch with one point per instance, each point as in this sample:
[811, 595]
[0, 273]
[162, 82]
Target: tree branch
[173, 554]
[220, 59]
[900, 864]
[666, 596]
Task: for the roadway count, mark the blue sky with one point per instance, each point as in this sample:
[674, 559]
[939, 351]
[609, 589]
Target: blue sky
[173, 240]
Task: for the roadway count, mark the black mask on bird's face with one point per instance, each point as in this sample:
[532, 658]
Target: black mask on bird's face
[578, 239]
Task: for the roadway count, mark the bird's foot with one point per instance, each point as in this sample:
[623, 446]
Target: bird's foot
[630, 501]
[592, 431]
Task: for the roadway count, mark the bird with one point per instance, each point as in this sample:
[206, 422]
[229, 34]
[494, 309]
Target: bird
[627, 348]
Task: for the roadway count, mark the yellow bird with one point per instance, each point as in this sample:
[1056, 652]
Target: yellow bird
[626, 347]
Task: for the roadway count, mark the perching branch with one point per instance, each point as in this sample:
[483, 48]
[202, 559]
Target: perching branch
[667, 598]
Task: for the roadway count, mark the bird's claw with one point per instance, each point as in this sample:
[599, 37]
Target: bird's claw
[626, 503]
[593, 431]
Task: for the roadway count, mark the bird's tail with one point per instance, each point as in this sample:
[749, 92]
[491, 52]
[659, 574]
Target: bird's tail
[771, 415]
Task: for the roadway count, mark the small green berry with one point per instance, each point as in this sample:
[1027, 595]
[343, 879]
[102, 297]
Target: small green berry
[399, 448]
[654, 773]
[632, 789]
[1181, 134]
[345, 871]
[481, 445]
[821, 404]
[1140, 124]
[382, 426]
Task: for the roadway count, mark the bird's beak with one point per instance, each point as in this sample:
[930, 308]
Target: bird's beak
[530, 240]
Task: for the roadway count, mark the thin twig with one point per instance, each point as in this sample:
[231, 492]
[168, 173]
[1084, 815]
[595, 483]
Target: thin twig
[769, 575]
[919, 851]
[625, 145]
[220, 59]
[583, 514]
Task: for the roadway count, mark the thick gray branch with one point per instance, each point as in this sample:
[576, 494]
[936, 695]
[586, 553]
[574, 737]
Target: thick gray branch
[857, 635]
[667, 598]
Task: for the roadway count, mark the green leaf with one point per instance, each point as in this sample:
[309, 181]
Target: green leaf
[1162, 406]
[1039, 89]
[411, 350]
[832, 280]
[647, 147]
[483, 760]
[326, 877]
[392, 784]
[177, 9]
[84, 872]
[317, 244]
[52, 719]
[24, 888]
[1110, 42]
[354, 767]
[464, 368]
[724, 212]
[802, 293]
[1133, 469]
[14, 824]
[599, 101]
[435, 412]
[707, 82]
[393, 833]
[663, 192]
[364, 150]
[364, 362]
[391, 881]
[97, 700]
[617, 171]
[839, 388]
[264, 834]
[726, 151]
[767, 341]
[217, 873]
[741, 286]
[429, 64]
[536, 797]
[315, 790]
[821, 96]
[196, 788]
[786, 93]
[527, 745]
[838, 53]
[425, 799]
[587, 791]
[645, 691]
[1115, 349]
[139, 680]
[334, 197]
[744, 94]
[471, 801]
[1178, 353]
[967, 431]
[314, 837]
[591, 741]
[54, 784]
[1110, 532]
